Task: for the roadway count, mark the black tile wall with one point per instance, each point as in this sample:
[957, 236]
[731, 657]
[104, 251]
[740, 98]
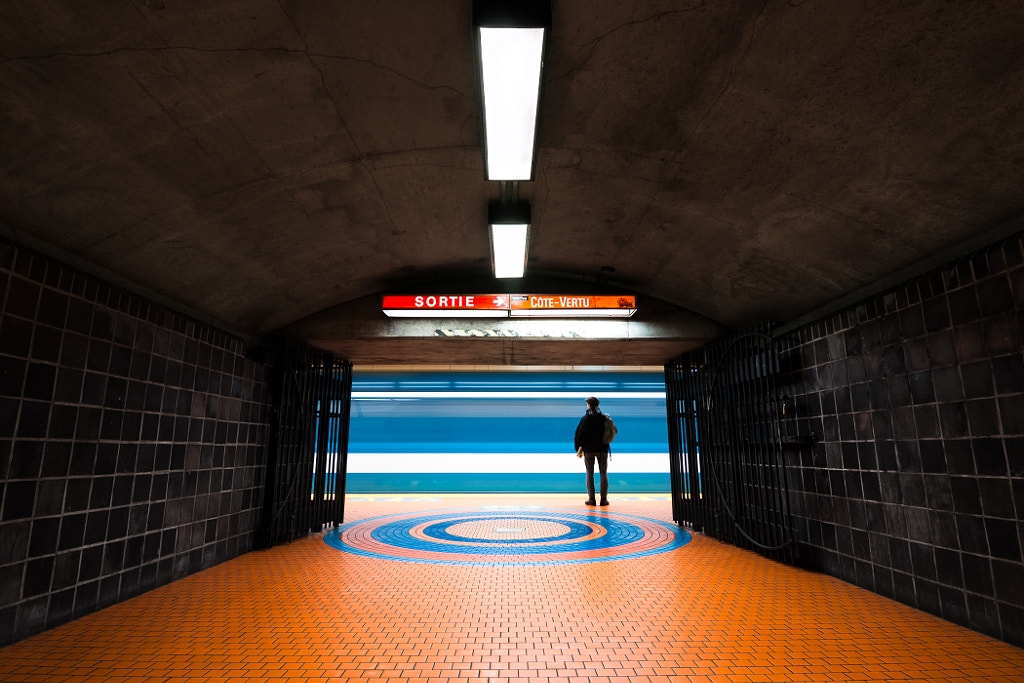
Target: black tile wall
[132, 444]
[917, 399]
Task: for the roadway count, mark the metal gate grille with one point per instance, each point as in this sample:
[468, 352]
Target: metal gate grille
[726, 445]
[305, 484]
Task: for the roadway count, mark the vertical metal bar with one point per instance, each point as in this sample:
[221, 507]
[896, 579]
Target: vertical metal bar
[675, 474]
[346, 418]
[330, 479]
[696, 377]
[319, 467]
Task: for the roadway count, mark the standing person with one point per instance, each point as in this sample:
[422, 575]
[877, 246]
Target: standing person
[590, 437]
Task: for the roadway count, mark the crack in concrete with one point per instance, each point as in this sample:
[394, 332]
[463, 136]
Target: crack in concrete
[280, 50]
[725, 88]
[360, 157]
[592, 45]
[728, 81]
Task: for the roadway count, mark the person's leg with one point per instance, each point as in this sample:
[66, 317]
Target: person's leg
[602, 464]
[588, 458]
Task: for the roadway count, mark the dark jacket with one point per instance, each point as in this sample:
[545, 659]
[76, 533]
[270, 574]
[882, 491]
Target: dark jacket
[590, 432]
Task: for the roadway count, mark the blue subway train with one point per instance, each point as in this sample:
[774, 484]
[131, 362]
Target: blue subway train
[501, 431]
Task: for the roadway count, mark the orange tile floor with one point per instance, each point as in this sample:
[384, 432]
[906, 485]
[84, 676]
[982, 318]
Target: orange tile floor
[704, 611]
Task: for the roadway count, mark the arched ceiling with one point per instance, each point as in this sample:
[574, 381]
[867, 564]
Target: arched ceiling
[263, 162]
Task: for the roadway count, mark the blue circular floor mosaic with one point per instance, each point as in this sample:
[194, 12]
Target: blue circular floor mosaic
[504, 536]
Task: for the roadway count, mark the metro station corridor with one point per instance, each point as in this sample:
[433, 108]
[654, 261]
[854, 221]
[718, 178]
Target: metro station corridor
[782, 242]
[702, 611]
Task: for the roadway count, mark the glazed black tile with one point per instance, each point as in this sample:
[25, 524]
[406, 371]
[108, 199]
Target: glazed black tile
[911, 322]
[96, 527]
[98, 359]
[903, 426]
[898, 391]
[871, 486]
[947, 384]
[46, 344]
[1011, 411]
[977, 573]
[883, 430]
[912, 490]
[122, 492]
[76, 495]
[963, 306]
[53, 307]
[948, 568]
[1009, 587]
[117, 390]
[22, 298]
[889, 329]
[33, 420]
[106, 458]
[989, 457]
[49, 498]
[131, 426]
[995, 296]
[37, 577]
[965, 494]
[921, 388]
[894, 360]
[969, 343]
[936, 314]
[44, 537]
[72, 531]
[941, 349]
[1008, 371]
[62, 422]
[68, 387]
[120, 360]
[12, 376]
[110, 427]
[94, 389]
[117, 527]
[137, 517]
[56, 459]
[65, 570]
[938, 492]
[26, 459]
[978, 379]
[996, 497]
[926, 420]
[982, 417]
[1015, 457]
[923, 560]
[16, 338]
[933, 456]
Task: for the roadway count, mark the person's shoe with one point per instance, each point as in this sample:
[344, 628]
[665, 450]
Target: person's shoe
[591, 502]
[604, 502]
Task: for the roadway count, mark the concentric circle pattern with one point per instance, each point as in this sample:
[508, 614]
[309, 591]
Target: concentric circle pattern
[503, 536]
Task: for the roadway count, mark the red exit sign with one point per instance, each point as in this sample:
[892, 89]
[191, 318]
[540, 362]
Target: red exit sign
[506, 305]
[447, 302]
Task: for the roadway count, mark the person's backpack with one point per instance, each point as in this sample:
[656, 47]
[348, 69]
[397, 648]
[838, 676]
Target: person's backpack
[610, 430]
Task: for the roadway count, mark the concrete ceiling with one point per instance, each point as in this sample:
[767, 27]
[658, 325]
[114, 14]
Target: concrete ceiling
[271, 162]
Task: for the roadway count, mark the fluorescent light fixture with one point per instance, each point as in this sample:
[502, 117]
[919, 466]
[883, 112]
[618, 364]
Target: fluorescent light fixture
[510, 38]
[509, 244]
[449, 313]
[510, 228]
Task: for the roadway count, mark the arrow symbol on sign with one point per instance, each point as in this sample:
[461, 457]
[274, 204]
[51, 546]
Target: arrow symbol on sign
[499, 301]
